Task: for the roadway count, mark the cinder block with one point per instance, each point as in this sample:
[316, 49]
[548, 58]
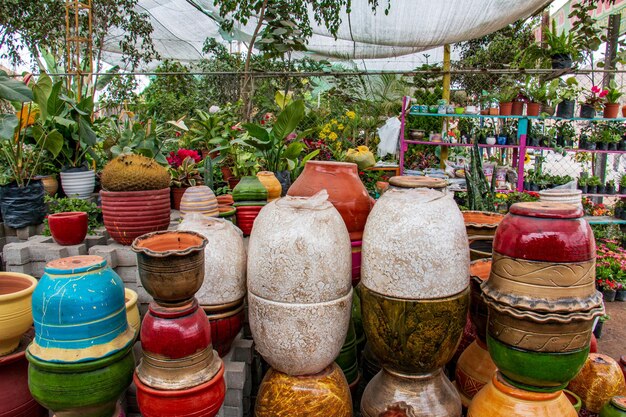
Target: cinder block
[233, 398]
[24, 233]
[125, 255]
[242, 349]
[235, 374]
[128, 274]
[9, 231]
[93, 240]
[40, 252]
[107, 252]
[227, 411]
[16, 253]
[22, 269]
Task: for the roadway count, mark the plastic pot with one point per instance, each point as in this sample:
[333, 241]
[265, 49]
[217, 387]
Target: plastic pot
[565, 109]
[561, 61]
[22, 206]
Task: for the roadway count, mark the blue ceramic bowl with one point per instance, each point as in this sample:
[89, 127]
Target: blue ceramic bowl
[79, 311]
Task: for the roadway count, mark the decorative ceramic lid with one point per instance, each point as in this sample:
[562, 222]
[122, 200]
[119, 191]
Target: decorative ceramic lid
[547, 210]
[75, 264]
[619, 402]
[410, 181]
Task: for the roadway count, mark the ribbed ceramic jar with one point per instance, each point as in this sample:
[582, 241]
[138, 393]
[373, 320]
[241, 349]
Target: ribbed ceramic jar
[225, 325]
[79, 311]
[299, 283]
[16, 316]
[598, 381]
[171, 265]
[391, 394]
[88, 389]
[500, 399]
[224, 260]
[474, 370]
[246, 214]
[345, 191]
[78, 184]
[249, 189]
[614, 408]
[320, 395]
[271, 184]
[561, 196]
[415, 246]
[199, 199]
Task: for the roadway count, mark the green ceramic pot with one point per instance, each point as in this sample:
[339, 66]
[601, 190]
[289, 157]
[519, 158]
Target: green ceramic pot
[87, 389]
[413, 336]
[614, 408]
[574, 399]
[249, 189]
[536, 371]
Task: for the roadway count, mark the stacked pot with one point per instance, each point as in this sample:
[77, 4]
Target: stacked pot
[299, 296]
[199, 199]
[250, 196]
[179, 374]
[414, 298]
[223, 290]
[81, 359]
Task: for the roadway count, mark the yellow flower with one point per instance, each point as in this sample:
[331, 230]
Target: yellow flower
[334, 121]
[501, 196]
[326, 129]
[527, 159]
[332, 136]
[350, 114]
[362, 148]
[322, 135]
[340, 126]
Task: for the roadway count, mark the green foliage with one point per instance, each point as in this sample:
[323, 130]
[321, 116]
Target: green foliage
[60, 205]
[170, 97]
[480, 196]
[187, 174]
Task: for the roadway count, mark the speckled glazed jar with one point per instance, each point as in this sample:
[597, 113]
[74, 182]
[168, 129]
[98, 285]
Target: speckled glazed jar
[320, 395]
[500, 399]
[224, 260]
[390, 394]
[199, 199]
[299, 284]
[474, 370]
[614, 408]
[598, 381]
[271, 184]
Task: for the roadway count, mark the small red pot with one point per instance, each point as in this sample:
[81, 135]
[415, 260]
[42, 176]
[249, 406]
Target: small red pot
[533, 109]
[177, 196]
[356, 262]
[246, 216]
[517, 108]
[225, 326]
[611, 110]
[203, 400]
[68, 228]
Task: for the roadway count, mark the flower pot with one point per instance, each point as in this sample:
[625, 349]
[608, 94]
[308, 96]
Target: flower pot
[199, 199]
[227, 173]
[574, 400]
[610, 110]
[535, 141]
[50, 184]
[271, 184]
[561, 61]
[501, 399]
[591, 146]
[249, 189]
[228, 213]
[491, 140]
[15, 309]
[608, 295]
[613, 146]
[481, 223]
[505, 109]
[533, 109]
[622, 189]
[600, 189]
[68, 328]
[245, 217]
[616, 407]
[348, 356]
[345, 191]
[132, 311]
[549, 110]
[357, 255]
[592, 189]
[89, 389]
[68, 228]
[78, 184]
[561, 196]
[202, 400]
[130, 214]
[501, 140]
[517, 108]
[587, 111]
[620, 295]
[393, 394]
[177, 196]
[603, 146]
[171, 265]
[232, 182]
[598, 381]
[565, 109]
[225, 200]
[479, 310]
[493, 111]
[22, 206]
[474, 370]
[225, 325]
[325, 394]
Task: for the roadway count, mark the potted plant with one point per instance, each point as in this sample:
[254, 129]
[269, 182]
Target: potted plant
[583, 182]
[567, 95]
[593, 102]
[611, 105]
[47, 173]
[622, 184]
[505, 98]
[184, 171]
[607, 286]
[72, 205]
[592, 184]
[620, 295]
[597, 331]
[618, 209]
[610, 187]
[565, 134]
[559, 50]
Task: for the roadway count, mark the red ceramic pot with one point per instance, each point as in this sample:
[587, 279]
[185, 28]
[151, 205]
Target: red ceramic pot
[68, 228]
[130, 214]
[593, 346]
[177, 196]
[356, 262]
[245, 217]
[203, 400]
[533, 109]
[345, 191]
[225, 326]
[15, 398]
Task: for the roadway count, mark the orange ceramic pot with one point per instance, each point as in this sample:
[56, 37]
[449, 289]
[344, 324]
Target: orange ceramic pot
[345, 191]
[481, 223]
[600, 379]
[271, 184]
[500, 399]
[623, 114]
[611, 110]
[474, 370]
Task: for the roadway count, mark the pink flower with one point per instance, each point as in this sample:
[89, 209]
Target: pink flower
[595, 89]
[603, 93]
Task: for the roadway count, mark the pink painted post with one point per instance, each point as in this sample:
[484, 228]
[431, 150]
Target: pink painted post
[403, 145]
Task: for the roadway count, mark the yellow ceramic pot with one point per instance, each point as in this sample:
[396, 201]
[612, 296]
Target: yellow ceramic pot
[474, 370]
[132, 311]
[600, 379]
[50, 184]
[271, 184]
[16, 315]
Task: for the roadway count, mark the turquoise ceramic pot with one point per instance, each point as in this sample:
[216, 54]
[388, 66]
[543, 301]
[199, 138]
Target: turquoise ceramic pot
[536, 371]
[88, 389]
[79, 311]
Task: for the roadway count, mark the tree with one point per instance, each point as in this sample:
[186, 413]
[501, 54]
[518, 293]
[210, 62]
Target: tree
[171, 97]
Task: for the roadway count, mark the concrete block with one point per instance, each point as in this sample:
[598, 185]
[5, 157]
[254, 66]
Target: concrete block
[12, 239]
[93, 240]
[233, 398]
[242, 349]
[40, 252]
[22, 269]
[9, 231]
[107, 252]
[235, 374]
[227, 411]
[128, 274]
[16, 253]
[125, 255]
[24, 233]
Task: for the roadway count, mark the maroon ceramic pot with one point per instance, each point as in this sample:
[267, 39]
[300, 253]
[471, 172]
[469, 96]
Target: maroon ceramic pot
[177, 196]
[68, 228]
[356, 262]
[225, 326]
[245, 217]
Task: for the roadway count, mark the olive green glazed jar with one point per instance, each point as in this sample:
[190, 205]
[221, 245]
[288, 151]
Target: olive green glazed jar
[614, 408]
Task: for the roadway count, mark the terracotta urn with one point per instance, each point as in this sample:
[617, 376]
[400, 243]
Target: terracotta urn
[15, 398]
[130, 214]
[479, 311]
[16, 316]
[199, 199]
[226, 323]
[598, 381]
[132, 311]
[325, 393]
[68, 228]
[391, 394]
[246, 215]
[202, 400]
[481, 223]
[249, 189]
[474, 370]
[171, 265]
[271, 184]
[345, 191]
[614, 408]
[177, 196]
[87, 389]
[501, 399]
[79, 312]
[224, 260]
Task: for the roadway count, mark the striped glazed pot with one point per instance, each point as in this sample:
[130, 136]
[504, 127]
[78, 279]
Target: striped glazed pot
[199, 199]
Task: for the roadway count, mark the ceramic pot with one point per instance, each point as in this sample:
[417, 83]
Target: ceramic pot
[130, 214]
[611, 110]
[536, 371]
[574, 400]
[409, 181]
[249, 189]
[415, 246]
[15, 398]
[202, 400]
[598, 381]
[357, 248]
[561, 196]
[323, 394]
[532, 109]
[271, 184]
[78, 184]
[345, 191]
[245, 217]
[177, 196]
[309, 336]
[79, 312]
[50, 184]
[622, 363]
[391, 394]
[89, 389]
[225, 200]
[413, 336]
[171, 265]
[16, 315]
[316, 268]
[501, 399]
[614, 408]
[199, 199]
[479, 310]
[228, 213]
[225, 326]
[348, 356]
[481, 223]
[474, 370]
[481, 247]
[371, 365]
[224, 260]
[232, 182]
[132, 311]
[68, 228]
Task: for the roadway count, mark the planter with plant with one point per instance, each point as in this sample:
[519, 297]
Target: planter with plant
[583, 182]
[66, 204]
[593, 102]
[184, 169]
[609, 187]
[567, 94]
[622, 184]
[620, 295]
[592, 184]
[505, 99]
[611, 105]
[597, 331]
[558, 51]
[618, 209]
[565, 134]
[135, 197]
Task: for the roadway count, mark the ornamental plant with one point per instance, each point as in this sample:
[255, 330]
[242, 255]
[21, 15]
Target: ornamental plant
[613, 93]
[184, 168]
[338, 134]
[595, 97]
[610, 264]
